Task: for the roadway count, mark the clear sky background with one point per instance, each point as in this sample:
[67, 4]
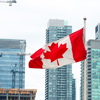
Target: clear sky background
[27, 19]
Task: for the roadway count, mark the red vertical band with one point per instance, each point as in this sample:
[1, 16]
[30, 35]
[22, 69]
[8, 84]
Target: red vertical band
[78, 48]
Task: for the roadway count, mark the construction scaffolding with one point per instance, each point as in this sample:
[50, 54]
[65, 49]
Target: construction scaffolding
[17, 94]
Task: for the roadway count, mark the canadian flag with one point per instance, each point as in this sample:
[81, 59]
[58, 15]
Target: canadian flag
[67, 50]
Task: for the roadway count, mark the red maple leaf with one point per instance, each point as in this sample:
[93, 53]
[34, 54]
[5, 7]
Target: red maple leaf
[55, 52]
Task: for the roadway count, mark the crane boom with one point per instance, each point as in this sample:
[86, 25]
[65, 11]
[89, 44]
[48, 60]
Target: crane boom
[20, 54]
[16, 53]
[8, 1]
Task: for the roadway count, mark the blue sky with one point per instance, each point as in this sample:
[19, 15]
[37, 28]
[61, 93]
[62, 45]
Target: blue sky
[27, 19]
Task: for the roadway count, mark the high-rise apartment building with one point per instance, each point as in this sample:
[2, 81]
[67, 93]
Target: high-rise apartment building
[93, 71]
[12, 65]
[97, 32]
[58, 82]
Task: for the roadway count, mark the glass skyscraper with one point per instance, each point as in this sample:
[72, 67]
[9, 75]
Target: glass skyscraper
[97, 32]
[58, 82]
[93, 71]
[12, 65]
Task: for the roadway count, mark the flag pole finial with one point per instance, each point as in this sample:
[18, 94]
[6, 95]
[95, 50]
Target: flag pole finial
[85, 30]
[84, 18]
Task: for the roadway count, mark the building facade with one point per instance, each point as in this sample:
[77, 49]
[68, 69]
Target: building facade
[58, 82]
[93, 71]
[12, 64]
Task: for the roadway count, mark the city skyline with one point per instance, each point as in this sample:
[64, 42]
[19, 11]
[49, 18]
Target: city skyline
[28, 20]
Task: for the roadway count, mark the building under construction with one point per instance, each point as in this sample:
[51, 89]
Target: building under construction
[12, 63]
[17, 94]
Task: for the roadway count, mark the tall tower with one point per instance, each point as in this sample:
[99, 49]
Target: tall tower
[93, 71]
[58, 82]
[12, 65]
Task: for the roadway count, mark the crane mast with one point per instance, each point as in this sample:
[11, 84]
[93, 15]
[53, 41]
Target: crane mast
[14, 76]
[20, 71]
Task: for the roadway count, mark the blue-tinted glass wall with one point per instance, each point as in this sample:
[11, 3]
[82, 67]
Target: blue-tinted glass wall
[93, 71]
[58, 82]
[12, 65]
[97, 32]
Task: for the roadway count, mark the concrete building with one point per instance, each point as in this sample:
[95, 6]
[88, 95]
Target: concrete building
[12, 64]
[93, 71]
[58, 82]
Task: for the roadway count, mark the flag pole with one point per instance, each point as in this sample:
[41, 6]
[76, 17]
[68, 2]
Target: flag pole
[85, 87]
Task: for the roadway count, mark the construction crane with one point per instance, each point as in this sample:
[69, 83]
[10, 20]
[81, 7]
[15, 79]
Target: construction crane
[20, 54]
[8, 1]
[14, 76]
[20, 68]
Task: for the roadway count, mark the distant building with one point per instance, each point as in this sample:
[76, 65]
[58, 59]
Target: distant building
[73, 89]
[93, 71]
[12, 65]
[58, 82]
[17, 94]
[97, 32]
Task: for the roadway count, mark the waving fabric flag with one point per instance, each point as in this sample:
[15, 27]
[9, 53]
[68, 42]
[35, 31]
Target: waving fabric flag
[67, 50]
